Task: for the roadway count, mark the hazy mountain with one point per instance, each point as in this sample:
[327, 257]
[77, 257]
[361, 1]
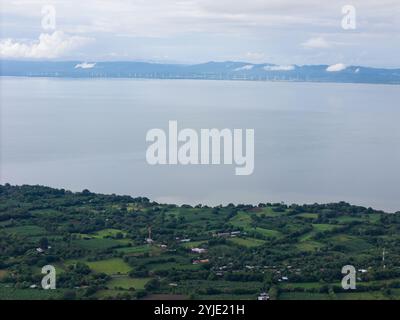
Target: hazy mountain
[229, 70]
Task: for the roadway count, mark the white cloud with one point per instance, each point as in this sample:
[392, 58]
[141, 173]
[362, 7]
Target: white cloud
[254, 56]
[85, 65]
[278, 68]
[189, 28]
[316, 43]
[246, 67]
[336, 67]
[53, 45]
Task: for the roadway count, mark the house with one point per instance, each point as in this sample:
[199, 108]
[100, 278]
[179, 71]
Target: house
[40, 250]
[185, 240]
[199, 250]
[263, 296]
[149, 240]
[200, 261]
[223, 234]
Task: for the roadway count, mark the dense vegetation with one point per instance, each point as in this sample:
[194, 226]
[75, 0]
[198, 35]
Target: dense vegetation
[99, 247]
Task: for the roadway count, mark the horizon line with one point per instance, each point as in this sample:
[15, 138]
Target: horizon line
[189, 64]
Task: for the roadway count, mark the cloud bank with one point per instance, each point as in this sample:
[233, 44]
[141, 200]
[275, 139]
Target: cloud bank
[278, 68]
[316, 43]
[49, 46]
[246, 67]
[85, 65]
[192, 31]
[336, 67]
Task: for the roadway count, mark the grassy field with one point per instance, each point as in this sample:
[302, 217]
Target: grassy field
[308, 215]
[27, 231]
[97, 243]
[269, 212]
[155, 267]
[323, 227]
[7, 293]
[309, 246]
[110, 266]
[193, 244]
[247, 242]
[370, 295]
[127, 283]
[137, 250]
[351, 243]
[267, 232]
[108, 233]
[242, 220]
[221, 285]
[107, 294]
[348, 219]
[300, 285]
[303, 296]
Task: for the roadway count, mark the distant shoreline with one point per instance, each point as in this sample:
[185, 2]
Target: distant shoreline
[225, 71]
[194, 79]
[86, 191]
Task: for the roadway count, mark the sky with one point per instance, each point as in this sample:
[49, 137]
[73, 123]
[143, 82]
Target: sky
[283, 32]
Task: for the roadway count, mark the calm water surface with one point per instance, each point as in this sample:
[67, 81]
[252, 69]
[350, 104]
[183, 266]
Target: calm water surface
[314, 142]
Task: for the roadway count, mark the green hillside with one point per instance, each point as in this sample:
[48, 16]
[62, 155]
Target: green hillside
[97, 243]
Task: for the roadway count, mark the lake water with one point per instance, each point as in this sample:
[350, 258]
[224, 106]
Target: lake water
[313, 142]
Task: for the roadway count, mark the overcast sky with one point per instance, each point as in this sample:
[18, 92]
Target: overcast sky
[190, 31]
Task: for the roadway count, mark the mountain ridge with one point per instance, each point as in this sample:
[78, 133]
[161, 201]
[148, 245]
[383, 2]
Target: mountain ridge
[212, 70]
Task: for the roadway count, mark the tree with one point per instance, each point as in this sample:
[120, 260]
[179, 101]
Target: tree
[153, 284]
[43, 243]
[69, 295]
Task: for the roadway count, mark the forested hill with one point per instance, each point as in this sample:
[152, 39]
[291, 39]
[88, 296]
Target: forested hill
[120, 247]
[228, 70]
